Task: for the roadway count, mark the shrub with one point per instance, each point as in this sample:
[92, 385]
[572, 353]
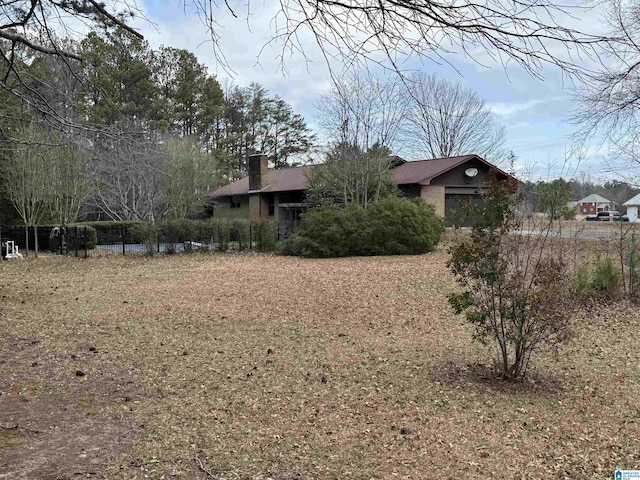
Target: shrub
[239, 232]
[76, 238]
[514, 289]
[148, 232]
[331, 231]
[402, 227]
[569, 213]
[606, 277]
[582, 282]
[265, 232]
[293, 245]
[222, 235]
[110, 232]
[604, 280]
[393, 226]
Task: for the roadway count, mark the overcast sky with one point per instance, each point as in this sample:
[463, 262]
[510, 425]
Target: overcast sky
[534, 112]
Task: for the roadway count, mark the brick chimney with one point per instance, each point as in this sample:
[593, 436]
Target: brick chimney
[258, 166]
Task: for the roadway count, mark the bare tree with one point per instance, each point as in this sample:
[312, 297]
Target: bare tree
[129, 179]
[363, 110]
[68, 188]
[351, 176]
[611, 98]
[192, 174]
[445, 119]
[25, 172]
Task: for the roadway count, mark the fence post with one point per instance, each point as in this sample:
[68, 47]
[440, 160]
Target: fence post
[123, 241]
[86, 243]
[75, 240]
[250, 237]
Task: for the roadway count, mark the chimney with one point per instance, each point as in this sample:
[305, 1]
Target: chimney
[258, 166]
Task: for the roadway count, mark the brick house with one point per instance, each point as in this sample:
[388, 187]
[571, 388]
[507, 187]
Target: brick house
[592, 204]
[280, 194]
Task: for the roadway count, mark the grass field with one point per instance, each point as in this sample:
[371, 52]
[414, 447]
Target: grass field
[257, 367]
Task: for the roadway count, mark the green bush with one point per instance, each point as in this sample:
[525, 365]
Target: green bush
[606, 276]
[148, 232]
[603, 280]
[393, 226]
[239, 232]
[569, 213]
[110, 232]
[294, 245]
[77, 240]
[582, 282]
[265, 233]
[403, 227]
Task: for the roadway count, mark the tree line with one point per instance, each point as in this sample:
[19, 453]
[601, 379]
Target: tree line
[147, 133]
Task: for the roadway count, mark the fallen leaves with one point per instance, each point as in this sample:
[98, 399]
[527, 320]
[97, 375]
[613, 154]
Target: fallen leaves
[233, 366]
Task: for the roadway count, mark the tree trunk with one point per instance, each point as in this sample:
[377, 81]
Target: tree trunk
[26, 240]
[35, 239]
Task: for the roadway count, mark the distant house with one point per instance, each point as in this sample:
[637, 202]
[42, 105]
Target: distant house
[594, 203]
[633, 205]
[280, 194]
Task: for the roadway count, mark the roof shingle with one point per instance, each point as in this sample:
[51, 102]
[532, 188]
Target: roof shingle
[297, 178]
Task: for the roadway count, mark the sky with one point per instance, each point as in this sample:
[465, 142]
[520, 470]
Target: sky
[535, 112]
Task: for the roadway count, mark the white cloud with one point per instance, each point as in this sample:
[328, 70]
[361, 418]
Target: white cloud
[513, 108]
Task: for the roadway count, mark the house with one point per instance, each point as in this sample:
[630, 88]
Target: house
[633, 205]
[594, 203]
[280, 194]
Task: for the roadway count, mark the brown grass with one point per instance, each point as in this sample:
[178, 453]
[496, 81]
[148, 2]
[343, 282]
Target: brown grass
[254, 366]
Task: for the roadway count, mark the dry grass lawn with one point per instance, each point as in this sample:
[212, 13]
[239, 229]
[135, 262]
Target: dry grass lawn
[257, 367]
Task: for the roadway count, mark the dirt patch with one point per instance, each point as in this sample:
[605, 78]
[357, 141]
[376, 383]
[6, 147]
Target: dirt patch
[486, 377]
[58, 421]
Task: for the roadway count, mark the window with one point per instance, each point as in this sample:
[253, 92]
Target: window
[235, 202]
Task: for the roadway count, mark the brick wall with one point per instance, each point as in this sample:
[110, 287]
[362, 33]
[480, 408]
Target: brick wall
[434, 195]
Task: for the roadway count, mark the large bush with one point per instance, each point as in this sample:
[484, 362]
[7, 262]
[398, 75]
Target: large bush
[403, 227]
[110, 232]
[78, 235]
[393, 226]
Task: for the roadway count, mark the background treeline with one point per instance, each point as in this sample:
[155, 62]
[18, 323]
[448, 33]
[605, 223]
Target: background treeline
[132, 133]
[552, 196]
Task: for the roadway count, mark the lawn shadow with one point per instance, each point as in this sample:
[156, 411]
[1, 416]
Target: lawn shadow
[485, 377]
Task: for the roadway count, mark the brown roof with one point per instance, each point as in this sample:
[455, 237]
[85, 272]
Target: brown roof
[422, 171]
[281, 180]
[297, 178]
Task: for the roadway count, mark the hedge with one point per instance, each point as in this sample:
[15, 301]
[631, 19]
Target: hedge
[17, 234]
[393, 226]
[110, 232]
[174, 231]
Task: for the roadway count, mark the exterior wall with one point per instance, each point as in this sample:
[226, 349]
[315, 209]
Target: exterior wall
[632, 213]
[591, 208]
[456, 176]
[222, 208]
[587, 209]
[255, 205]
[434, 195]
[258, 207]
